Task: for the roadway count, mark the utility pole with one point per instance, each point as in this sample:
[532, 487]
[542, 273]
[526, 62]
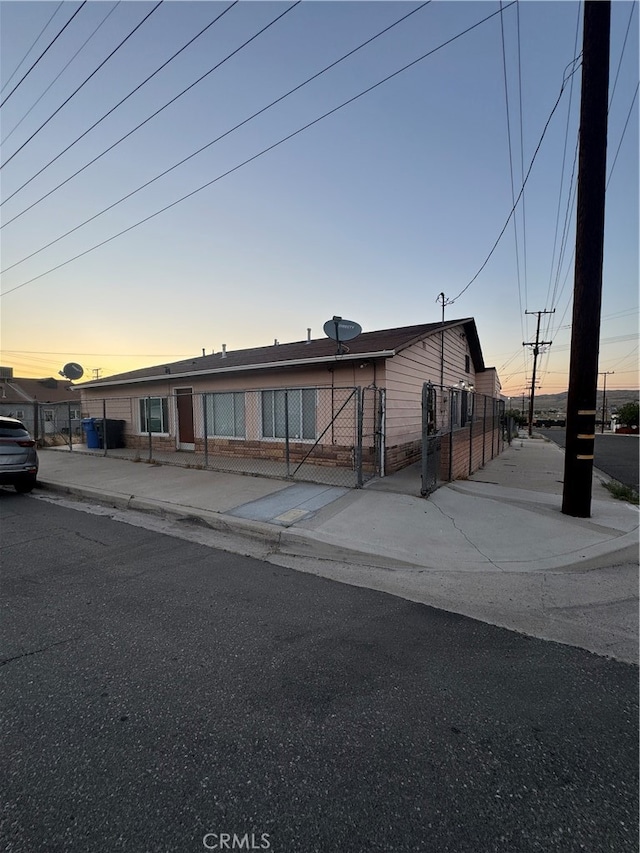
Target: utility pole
[536, 351]
[443, 301]
[604, 373]
[96, 372]
[587, 291]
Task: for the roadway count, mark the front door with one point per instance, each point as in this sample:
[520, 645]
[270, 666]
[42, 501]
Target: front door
[184, 400]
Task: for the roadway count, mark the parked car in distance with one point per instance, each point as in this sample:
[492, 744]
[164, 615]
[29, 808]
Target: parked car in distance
[18, 456]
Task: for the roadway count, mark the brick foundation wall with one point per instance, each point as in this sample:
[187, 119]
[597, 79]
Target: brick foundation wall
[400, 455]
[484, 446]
[323, 454]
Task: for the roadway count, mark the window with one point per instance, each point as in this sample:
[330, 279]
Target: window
[154, 414]
[48, 415]
[20, 414]
[75, 414]
[225, 414]
[467, 364]
[301, 413]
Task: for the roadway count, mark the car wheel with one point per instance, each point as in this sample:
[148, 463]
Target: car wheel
[25, 486]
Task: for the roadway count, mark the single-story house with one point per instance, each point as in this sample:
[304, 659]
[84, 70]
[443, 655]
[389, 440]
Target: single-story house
[357, 403]
[45, 406]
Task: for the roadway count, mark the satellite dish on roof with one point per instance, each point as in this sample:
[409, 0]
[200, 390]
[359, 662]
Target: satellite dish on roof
[72, 371]
[341, 330]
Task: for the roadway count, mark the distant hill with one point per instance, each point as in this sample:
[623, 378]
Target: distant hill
[545, 402]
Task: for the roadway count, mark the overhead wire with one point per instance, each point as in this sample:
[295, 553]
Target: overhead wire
[154, 114]
[266, 150]
[533, 159]
[47, 48]
[624, 130]
[84, 82]
[220, 137]
[33, 44]
[513, 193]
[62, 70]
[562, 174]
[108, 113]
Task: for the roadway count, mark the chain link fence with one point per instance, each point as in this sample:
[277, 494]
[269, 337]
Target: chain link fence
[461, 431]
[322, 434]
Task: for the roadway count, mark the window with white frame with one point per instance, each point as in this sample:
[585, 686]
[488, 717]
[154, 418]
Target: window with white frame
[75, 414]
[48, 415]
[299, 416]
[225, 414]
[154, 414]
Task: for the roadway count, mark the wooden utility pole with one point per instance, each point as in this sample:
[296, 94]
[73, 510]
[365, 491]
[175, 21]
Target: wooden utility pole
[444, 302]
[587, 292]
[536, 351]
[604, 397]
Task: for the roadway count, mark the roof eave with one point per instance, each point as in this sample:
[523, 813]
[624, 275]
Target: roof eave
[241, 368]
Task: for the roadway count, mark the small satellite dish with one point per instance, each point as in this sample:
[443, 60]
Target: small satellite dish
[341, 330]
[72, 371]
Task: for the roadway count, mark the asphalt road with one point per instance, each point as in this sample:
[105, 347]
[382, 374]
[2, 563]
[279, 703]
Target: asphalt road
[159, 695]
[616, 455]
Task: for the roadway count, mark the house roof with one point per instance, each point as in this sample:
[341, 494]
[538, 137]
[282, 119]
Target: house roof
[384, 343]
[48, 390]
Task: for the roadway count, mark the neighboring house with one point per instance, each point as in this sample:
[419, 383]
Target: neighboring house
[305, 400]
[43, 405]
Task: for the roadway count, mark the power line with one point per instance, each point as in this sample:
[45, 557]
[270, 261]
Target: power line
[33, 44]
[50, 45]
[633, 100]
[213, 141]
[153, 115]
[562, 173]
[103, 117]
[533, 159]
[624, 44]
[62, 70]
[265, 151]
[524, 216]
[513, 194]
[84, 82]
[101, 354]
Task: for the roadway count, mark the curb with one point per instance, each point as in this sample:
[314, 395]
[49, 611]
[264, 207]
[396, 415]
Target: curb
[274, 539]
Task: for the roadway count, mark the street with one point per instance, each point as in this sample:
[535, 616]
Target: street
[616, 455]
[160, 695]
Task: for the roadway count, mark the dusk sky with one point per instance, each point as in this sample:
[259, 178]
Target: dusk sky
[369, 214]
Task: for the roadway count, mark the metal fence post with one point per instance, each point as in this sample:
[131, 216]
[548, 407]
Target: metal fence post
[148, 410]
[382, 428]
[70, 427]
[206, 430]
[104, 427]
[451, 404]
[360, 419]
[425, 450]
[286, 430]
[36, 423]
[471, 432]
[484, 427]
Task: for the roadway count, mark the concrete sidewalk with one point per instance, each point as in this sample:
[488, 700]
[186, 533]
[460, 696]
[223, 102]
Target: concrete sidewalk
[495, 546]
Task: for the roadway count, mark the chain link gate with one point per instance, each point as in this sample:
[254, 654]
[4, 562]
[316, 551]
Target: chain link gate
[431, 441]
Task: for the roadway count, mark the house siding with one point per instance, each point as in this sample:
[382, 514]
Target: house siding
[405, 375]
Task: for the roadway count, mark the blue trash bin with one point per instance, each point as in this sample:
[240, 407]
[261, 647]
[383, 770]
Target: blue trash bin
[93, 439]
